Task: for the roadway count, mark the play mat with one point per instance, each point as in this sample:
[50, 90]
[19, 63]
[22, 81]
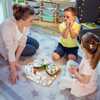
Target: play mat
[45, 73]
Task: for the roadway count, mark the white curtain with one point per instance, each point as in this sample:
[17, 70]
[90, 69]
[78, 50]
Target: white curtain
[1, 12]
[6, 6]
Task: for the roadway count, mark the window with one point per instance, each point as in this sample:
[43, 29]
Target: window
[1, 12]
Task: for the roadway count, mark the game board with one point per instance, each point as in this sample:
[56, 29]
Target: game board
[42, 73]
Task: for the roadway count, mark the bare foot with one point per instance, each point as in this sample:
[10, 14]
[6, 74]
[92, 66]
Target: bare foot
[71, 57]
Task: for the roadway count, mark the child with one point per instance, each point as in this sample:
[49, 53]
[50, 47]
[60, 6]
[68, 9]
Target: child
[69, 30]
[84, 81]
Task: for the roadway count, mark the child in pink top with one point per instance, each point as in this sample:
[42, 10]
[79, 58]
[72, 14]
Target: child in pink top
[85, 76]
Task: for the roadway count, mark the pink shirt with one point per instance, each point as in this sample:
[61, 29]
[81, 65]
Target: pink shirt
[81, 89]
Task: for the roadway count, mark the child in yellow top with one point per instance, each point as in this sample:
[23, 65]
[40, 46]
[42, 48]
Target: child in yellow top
[69, 30]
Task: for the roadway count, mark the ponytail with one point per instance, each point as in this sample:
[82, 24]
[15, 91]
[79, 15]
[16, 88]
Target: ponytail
[96, 57]
[16, 8]
[22, 12]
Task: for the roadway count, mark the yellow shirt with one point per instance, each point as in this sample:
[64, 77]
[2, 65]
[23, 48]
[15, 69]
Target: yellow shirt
[69, 42]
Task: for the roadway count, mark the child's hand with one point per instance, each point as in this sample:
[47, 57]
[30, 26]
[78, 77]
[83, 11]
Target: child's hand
[73, 70]
[64, 35]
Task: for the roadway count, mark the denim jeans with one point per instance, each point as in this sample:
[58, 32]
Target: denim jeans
[31, 47]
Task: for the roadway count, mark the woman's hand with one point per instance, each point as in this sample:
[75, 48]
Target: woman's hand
[13, 76]
[18, 66]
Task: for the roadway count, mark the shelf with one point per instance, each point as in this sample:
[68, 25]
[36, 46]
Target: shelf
[50, 11]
